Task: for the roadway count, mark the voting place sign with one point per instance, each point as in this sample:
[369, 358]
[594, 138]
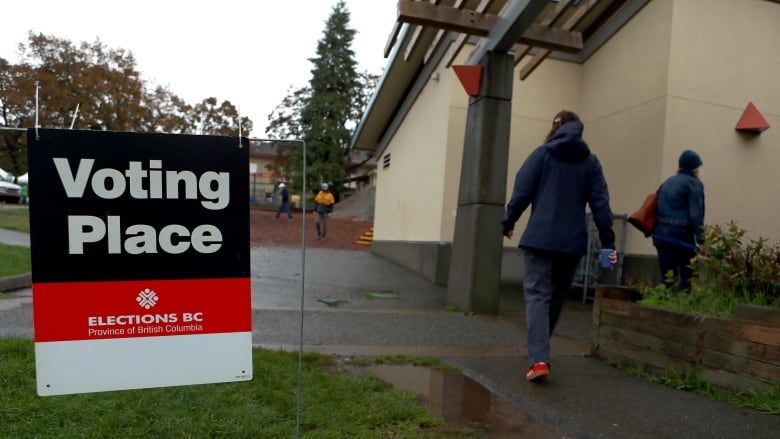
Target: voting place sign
[140, 260]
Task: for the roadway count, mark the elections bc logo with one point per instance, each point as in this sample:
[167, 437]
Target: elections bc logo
[147, 298]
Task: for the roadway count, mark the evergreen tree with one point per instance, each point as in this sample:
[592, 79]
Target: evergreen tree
[283, 125]
[324, 118]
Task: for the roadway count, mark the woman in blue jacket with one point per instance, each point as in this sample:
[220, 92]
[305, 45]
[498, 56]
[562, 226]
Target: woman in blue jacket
[557, 180]
[679, 224]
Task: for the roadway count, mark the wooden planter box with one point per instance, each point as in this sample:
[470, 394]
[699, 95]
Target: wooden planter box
[740, 353]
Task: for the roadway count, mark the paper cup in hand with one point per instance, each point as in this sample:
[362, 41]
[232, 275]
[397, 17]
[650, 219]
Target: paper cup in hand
[605, 262]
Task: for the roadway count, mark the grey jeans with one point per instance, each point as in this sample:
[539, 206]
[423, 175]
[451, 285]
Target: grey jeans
[321, 221]
[548, 277]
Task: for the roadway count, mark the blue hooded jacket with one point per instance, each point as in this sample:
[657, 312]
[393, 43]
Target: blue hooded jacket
[558, 179]
[680, 211]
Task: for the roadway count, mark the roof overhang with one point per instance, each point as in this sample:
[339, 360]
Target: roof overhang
[431, 33]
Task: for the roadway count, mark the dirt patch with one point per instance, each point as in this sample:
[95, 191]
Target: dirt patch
[265, 230]
[351, 219]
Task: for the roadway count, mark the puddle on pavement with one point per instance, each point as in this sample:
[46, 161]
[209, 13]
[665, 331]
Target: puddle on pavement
[461, 401]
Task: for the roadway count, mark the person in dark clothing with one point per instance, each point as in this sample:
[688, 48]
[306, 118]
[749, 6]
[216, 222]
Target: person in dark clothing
[679, 223]
[557, 180]
[284, 204]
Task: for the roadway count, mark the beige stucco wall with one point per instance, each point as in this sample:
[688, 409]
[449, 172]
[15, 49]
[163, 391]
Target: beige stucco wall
[720, 61]
[624, 101]
[456, 137]
[409, 192]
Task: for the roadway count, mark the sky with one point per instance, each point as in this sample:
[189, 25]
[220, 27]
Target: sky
[248, 52]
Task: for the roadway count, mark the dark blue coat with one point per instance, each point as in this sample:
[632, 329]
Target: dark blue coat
[558, 179]
[285, 194]
[680, 211]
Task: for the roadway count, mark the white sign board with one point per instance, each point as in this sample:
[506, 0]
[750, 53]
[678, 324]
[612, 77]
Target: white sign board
[140, 258]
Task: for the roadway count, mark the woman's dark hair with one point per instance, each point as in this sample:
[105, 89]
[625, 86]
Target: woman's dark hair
[563, 117]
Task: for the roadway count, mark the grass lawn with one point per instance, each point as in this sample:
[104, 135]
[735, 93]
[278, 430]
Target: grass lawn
[334, 405]
[16, 260]
[15, 219]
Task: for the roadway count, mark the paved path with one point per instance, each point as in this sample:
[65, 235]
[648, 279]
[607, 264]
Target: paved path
[584, 399]
[14, 238]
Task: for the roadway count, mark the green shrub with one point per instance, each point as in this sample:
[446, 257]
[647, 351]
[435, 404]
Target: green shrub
[734, 271]
[748, 271]
[15, 219]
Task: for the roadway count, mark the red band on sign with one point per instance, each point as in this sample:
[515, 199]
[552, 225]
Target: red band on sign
[153, 308]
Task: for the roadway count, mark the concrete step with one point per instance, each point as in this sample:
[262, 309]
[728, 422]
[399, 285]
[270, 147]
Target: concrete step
[367, 238]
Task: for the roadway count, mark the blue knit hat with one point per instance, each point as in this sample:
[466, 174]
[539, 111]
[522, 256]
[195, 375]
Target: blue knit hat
[689, 160]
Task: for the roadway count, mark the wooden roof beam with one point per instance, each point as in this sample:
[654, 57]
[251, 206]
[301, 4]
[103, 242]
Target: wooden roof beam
[480, 24]
[445, 17]
[580, 14]
[393, 36]
[455, 49]
[515, 18]
[460, 41]
[459, 4]
[521, 50]
[417, 32]
[573, 21]
[552, 38]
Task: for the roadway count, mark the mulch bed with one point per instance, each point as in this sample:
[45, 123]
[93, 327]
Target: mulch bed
[343, 233]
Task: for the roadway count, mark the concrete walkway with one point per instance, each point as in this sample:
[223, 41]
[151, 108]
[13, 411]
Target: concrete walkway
[14, 238]
[358, 304]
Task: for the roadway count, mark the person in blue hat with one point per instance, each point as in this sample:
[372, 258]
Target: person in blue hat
[679, 224]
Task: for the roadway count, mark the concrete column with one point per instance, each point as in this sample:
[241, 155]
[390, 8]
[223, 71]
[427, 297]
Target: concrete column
[475, 264]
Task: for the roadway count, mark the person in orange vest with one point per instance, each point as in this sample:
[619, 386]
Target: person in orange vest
[323, 207]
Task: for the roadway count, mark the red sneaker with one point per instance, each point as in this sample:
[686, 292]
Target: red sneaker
[538, 372]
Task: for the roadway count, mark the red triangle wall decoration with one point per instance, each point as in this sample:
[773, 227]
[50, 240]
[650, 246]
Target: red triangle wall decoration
[752, 120]
[470, 77]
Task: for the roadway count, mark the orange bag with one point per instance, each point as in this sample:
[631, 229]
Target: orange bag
[644, 218]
